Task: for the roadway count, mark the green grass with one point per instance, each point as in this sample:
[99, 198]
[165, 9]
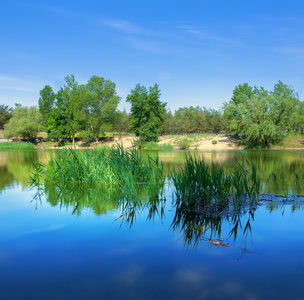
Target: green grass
[155, 146]
[16, 145]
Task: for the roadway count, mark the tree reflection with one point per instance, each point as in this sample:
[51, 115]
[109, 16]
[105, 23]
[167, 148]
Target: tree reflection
[102, 201]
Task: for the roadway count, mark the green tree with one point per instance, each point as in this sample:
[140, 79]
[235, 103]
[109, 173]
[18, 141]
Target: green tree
[46, 106]
[259, 116]
[25, 122]
[102, 104]
[5, 114]
[147, 112]
[121, 122]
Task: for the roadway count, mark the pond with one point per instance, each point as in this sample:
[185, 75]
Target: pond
[85, 245]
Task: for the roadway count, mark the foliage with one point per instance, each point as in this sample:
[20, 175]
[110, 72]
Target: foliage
[16, 145]
[259, 116]
[25, 122]
[5, 114]
[121, 122]
[214, 142]
[76, 107]
[46, 103]
[103, 102]
[183, 143]
[194, 120]
[147, 112]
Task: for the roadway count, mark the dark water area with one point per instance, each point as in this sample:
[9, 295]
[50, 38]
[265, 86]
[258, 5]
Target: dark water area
[85, 244]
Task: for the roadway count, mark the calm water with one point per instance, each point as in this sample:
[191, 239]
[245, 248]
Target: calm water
[73, 245]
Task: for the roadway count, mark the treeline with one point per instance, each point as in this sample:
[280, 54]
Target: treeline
[194, 120]
[89, 111]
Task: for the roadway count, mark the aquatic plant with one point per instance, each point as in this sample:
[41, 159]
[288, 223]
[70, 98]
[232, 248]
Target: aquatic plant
[200, 183]
[110, 168]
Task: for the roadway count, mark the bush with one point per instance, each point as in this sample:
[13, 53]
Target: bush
[183, 143]
[214, 142]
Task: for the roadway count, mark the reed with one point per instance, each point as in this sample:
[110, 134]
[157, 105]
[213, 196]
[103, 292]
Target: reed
[110, 168]
[200, 183]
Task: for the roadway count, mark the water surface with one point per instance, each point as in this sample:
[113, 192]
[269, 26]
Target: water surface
[84, 245]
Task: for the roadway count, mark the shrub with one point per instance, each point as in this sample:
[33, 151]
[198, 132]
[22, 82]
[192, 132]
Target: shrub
[183, 143]
[214, 142]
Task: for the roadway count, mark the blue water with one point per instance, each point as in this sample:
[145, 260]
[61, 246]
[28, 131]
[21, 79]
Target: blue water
[47, 252]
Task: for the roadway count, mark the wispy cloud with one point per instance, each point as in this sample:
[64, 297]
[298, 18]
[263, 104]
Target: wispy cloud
[124, 26]
[146, 45]
[204, 32]
[68, 13]
[17, 84]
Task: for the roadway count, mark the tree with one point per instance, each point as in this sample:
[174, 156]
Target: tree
[25, 122]
[259, 116]
[46, 105]
[102, 104]
[87, 109]
[5, 114]
[121, 122]
[147, 112]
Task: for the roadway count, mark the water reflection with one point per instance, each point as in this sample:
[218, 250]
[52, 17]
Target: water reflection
[218, 226]
[280, 171]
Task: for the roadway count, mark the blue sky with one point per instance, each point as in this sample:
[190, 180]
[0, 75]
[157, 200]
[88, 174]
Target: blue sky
[196, 51]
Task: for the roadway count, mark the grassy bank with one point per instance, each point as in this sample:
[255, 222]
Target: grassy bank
[16, 146]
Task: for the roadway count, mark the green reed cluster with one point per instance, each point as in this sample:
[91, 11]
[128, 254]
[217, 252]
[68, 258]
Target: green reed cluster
[110, 168]
[199, 182]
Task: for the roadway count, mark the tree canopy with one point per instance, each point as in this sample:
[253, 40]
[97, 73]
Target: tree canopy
[5, 114]
[147, 112]
[259, 116]
[79, 108]
[25, 122]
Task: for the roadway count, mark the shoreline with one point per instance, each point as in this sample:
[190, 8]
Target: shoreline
[204, 142]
